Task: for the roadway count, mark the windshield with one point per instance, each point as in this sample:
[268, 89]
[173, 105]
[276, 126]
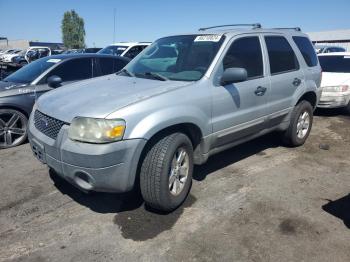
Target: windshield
[335, 64]
[30, 72]
[113, 50]
[180, 58]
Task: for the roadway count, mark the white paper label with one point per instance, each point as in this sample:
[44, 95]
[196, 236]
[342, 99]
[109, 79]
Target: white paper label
[347, 56]
[53, 60]
[207, 38]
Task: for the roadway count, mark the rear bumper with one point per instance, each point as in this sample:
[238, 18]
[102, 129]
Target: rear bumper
[333, 100]
[96, 167]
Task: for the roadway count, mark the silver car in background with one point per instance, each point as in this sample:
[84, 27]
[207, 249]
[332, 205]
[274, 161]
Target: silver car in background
[181, 100]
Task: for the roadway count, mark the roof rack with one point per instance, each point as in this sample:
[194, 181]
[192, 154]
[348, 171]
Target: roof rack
[288, 28]
[255, 26]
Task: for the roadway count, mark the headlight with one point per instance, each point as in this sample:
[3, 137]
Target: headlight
[342, 88]
[93, 130]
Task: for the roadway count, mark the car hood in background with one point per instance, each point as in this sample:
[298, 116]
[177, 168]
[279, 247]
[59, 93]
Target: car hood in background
[10, 88]
[101, 96]
[335, 79]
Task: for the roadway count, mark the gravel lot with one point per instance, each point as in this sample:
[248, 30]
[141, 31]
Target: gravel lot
[257, 202]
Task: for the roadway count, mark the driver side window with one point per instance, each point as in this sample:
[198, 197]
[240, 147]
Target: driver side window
[245, 53]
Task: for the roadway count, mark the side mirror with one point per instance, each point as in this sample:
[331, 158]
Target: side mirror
[233, 75]
[54, 81]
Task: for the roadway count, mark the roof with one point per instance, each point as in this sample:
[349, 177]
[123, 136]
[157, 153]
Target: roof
[336, 35]
[82, 55]
[230, 32]
[131, 43]
[335, 54]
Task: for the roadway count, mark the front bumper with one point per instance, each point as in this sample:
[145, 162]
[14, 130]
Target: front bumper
[91, 167]
[333, 100]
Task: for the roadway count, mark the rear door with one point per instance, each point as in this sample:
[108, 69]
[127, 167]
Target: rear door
[286, 76]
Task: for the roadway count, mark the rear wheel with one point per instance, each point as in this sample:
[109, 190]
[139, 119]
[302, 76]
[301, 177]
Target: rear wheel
[166, 172]
[300, 124]
[13, 128]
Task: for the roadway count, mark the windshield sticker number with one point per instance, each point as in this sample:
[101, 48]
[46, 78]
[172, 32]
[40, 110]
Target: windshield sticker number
[53, 60]
[207, 38]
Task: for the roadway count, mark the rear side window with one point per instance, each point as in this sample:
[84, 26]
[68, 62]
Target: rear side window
[72, 70]
[335, 64]
[281, 55]
[306, 49]
[245, 53]
[109, 66]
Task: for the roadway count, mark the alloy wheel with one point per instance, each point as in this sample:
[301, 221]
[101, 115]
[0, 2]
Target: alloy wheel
[13, 128]
[303, 124]
[179, 171]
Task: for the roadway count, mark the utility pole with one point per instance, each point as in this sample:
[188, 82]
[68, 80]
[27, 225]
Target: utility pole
[114, 12]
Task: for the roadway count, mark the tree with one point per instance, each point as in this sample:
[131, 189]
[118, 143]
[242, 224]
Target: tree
[73, 31]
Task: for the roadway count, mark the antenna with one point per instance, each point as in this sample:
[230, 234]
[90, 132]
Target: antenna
[254, 26]
[114, 12]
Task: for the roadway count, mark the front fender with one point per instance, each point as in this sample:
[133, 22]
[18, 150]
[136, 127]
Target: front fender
[161, 119]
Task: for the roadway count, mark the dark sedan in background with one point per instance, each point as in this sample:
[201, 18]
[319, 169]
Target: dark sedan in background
[19, 90]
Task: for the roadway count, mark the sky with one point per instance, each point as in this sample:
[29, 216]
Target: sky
[142, 20]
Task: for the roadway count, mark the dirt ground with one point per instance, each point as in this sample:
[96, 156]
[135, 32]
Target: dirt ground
[257, 202]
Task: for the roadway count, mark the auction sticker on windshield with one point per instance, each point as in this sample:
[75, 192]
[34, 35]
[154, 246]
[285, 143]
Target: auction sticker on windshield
[207, 38]
[53, 60]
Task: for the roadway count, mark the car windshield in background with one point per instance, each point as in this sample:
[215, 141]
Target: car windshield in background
[30, 72]
[113, 50]
[180, 58]
[335, 64]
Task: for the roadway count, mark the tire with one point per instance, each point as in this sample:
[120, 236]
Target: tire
[298, 132]
[13, 128]
[159, 167]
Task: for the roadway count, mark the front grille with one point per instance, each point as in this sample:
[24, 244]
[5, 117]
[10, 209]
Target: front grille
[47, 125]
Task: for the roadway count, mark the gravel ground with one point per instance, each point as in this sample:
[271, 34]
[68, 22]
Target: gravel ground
[257, 202]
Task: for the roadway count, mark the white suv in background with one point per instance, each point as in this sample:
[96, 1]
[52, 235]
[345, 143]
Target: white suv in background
[127, 49]
[335, 80]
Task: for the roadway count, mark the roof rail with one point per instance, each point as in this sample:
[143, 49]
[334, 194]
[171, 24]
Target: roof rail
[288, 28]
[255, 26]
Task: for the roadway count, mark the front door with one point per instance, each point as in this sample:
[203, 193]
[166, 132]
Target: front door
[239, 109]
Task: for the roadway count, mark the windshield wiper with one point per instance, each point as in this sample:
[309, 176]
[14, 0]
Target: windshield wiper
[154, 76]
[125, 71]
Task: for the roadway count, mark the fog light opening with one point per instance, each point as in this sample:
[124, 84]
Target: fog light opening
[83, 180]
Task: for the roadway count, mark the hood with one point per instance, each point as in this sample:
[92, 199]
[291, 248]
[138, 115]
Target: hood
[101, 96]
[335, 79]
[7, 88]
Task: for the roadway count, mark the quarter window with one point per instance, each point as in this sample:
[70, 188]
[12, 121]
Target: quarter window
[281, 55]
[306, 49]
[245, 53]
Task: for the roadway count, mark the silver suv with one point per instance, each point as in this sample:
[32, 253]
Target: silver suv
[181, 100]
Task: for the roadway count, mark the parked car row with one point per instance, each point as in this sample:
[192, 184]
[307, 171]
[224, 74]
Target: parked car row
[180, 100]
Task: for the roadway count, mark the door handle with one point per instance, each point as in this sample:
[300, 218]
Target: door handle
[260, 91]
[296, 82]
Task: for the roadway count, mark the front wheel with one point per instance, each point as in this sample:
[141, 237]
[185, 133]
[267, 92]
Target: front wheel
[300, 124]
[166, 172]
[13, 128]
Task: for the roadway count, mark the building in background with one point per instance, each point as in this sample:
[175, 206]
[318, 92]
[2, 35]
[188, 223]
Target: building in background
[334, 38]
[24, 44]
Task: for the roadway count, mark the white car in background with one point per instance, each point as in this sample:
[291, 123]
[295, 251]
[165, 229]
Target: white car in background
[335, 80]
[9, 52]
[7, 58]
[126, 49]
